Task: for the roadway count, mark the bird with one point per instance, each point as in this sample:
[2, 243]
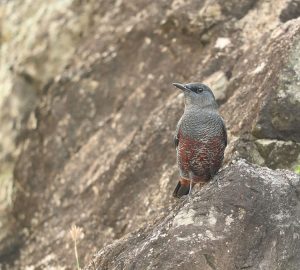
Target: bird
[200, 138]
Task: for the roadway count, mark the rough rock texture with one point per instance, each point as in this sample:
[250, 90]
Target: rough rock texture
[291, 11]
[265, 84]
[97, 149]
[37, 39]
[247, 219]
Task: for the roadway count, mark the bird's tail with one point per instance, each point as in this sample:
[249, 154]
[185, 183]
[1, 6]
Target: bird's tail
[183, 188]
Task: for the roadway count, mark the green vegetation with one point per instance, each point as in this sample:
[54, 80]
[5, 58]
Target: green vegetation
[297, 169]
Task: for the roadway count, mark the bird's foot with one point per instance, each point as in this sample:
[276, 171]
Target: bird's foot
[189, 196]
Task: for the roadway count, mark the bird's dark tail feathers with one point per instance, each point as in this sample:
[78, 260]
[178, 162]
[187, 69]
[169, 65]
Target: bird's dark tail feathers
[182, 188]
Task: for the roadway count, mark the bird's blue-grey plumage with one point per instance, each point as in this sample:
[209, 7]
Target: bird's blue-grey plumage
[200, 136]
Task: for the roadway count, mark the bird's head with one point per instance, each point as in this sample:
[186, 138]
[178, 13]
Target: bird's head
[198, 94]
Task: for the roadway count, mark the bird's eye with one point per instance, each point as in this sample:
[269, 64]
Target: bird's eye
[199, 90]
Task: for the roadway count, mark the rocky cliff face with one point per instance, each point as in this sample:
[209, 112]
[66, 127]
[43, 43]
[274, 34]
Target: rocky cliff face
[96, 142]
[37, 40]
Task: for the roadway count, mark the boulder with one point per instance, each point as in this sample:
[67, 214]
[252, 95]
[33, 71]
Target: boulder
[247, 218]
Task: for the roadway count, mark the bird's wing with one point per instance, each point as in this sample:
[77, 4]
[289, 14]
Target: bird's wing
[224, 132]
[176, 140]
[176, 136]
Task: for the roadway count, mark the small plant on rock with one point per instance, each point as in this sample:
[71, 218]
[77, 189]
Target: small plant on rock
[75, 234]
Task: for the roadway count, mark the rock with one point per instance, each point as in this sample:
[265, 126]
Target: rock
[291, 11]
[271, 73]
[96, 147]
[9, 243]
[265, 76]
[247, 218]
[218, 81]
[37, 40]
[280, 116]
[237, 8]
[279, 154]
[222, 43]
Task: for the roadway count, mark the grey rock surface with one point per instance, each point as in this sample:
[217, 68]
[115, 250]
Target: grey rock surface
[248, 218]
[265, 101]
[272, 152]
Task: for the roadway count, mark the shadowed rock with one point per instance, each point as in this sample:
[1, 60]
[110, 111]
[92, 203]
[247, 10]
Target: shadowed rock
[291, 11]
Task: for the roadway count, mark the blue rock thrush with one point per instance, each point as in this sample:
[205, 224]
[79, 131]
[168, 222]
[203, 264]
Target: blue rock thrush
[200, 138]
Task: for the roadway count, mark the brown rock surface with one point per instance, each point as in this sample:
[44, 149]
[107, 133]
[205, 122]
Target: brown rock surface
[37, 39]
[97, 150]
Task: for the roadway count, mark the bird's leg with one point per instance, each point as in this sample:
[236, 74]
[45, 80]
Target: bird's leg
[189, 196]
[190, 190]
[190, 187]
[212, 176]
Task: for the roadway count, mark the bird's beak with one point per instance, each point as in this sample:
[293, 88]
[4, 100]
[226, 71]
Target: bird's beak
[180, 86]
